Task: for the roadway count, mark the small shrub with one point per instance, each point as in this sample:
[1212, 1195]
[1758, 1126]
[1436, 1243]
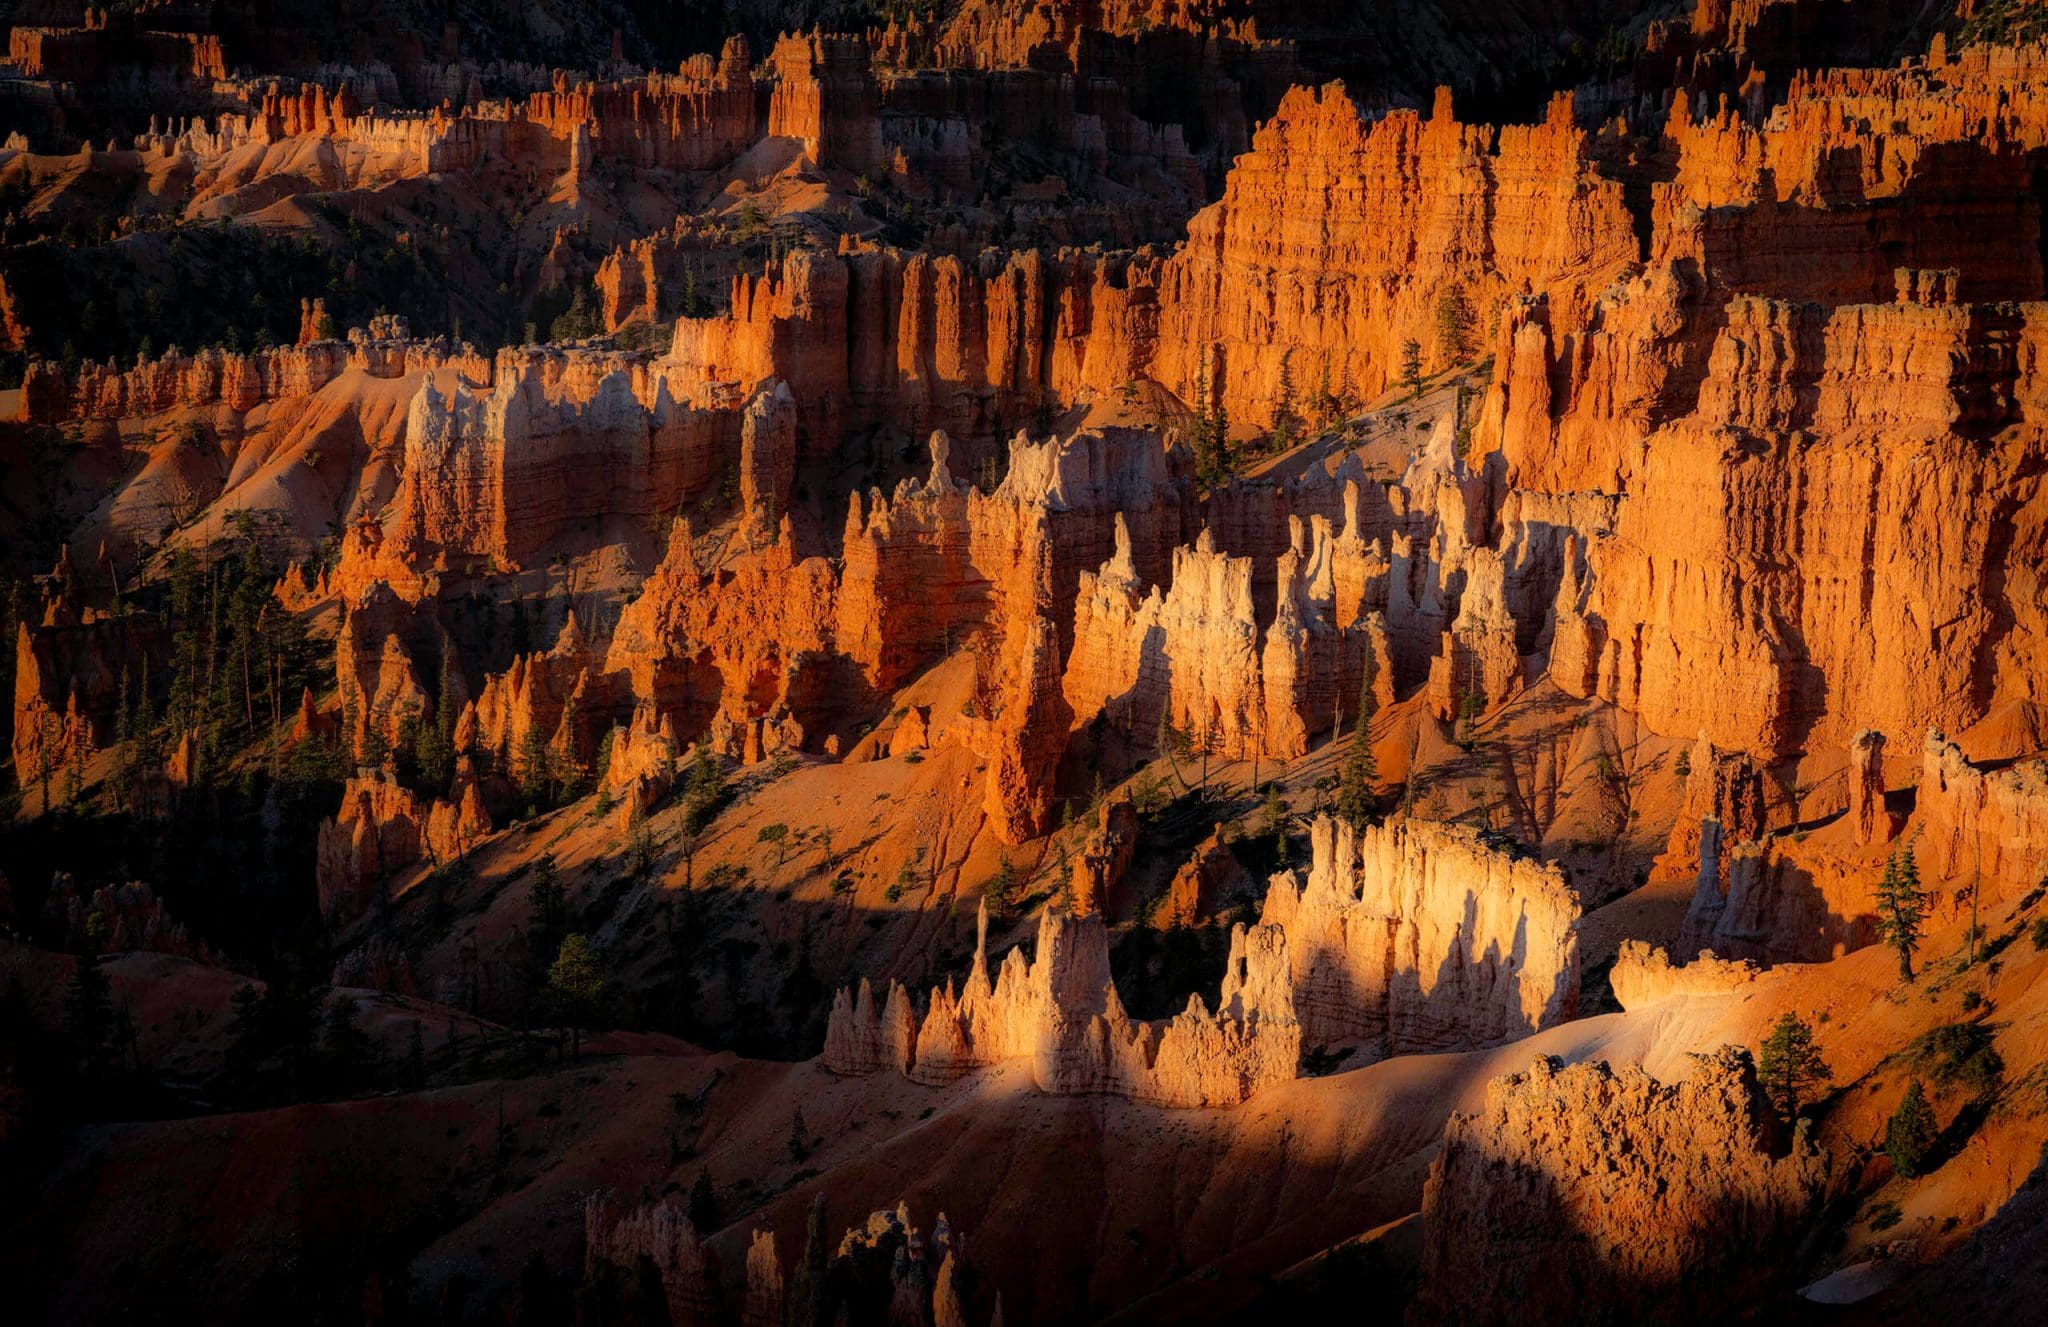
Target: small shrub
[2039, 935]
[1960, 1055]
[1883, 1216]
[1910, 1132]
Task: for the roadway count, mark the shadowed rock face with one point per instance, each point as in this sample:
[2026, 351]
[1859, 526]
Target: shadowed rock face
[1587, 1194]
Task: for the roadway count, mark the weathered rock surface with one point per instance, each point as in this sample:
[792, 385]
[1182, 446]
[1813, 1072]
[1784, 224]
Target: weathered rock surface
[1588, 1194]
[1060, 1011]
[1420, 937]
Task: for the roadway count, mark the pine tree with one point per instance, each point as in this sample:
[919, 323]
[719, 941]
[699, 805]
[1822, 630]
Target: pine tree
[1001, 890]
[577, 979]
[534, 768]
[1283, 406]
[1356, 801]
[345, 1046]
[416, 1058]
[1790, 1065]
[705, 790]
[809, 1301]
[704, 1204]
[1901, 908]
[1411, 365]
[1454, 319]
[549, 903]
[1910, 1132]
[88, 1013]
[1276, 821]
[640, 846]
[799, 1137]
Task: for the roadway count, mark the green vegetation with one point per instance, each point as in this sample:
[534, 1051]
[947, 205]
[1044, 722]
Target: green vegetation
[1901, 908]
[1790, 1066]
[1960, 1056]
[577, 980]
[1455, 322]
[1910, 1132]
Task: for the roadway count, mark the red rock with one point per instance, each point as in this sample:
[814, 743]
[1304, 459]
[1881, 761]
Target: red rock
[1588, 1185]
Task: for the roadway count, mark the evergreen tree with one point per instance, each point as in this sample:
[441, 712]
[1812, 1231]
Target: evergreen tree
[549, 903]
[1276, 821]
[1357, 803]
[1284, 421]
[647, 1305]
[1910, 1132]
[1790, 1065]
[704, 1204]
[245, 1033]
[799, 1136]
[809, 1302]
[1411, 365]
[577, 979]
[1001, 890]
[1454, 319]
[88, 1013]
[640, 845]
[777, 836]
[540, 1305]
[704, 792]
[345, 1048]
[1901, 908]
[416, 1058]
[534, 769]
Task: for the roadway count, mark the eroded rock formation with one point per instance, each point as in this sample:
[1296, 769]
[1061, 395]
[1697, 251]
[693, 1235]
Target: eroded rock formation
[1590, 1194]
[1059, 1010]
[1419, 937]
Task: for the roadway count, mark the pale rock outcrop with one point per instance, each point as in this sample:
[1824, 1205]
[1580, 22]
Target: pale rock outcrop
[1060, 1012]
[115, 919]
[910, 590]
[1971, 822]
[1778, 900]
[1104, 856]
[861, 1039]
[1727, 788]
[1211, 874]
[661, 1233]
[382, 828]
[1419, 936]
[1028, 735]
[1643, 975]
[388, 654]
[1479, 658]
[767, 461]
[765, 1294]
[1872, 823]
[1336, 234]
